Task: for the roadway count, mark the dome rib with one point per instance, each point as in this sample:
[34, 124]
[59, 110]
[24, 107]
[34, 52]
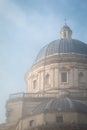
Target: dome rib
[62, 46]
[60, 104]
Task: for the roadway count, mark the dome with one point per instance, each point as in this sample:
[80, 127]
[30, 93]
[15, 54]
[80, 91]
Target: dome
[60, 105]
[65, 27]
[57, 66]
[62, 46]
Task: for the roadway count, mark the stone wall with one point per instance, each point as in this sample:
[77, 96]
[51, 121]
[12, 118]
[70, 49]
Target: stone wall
[75, 66]
[47, 119]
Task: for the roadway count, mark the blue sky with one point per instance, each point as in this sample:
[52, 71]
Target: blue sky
[25, 27]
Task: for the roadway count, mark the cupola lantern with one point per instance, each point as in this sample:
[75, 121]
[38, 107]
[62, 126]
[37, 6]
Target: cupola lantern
[65, 32]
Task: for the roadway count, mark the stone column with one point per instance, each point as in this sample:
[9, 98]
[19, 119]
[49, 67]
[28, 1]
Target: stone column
[56, 80]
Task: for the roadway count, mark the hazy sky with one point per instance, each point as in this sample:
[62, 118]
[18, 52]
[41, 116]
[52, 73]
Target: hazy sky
[25, 27]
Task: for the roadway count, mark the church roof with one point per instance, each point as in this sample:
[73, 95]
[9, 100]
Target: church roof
[60, 105]
[62, 46]
[66, 27]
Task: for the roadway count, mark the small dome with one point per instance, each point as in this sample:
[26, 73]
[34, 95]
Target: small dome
[60, 105]
[62, 46]
[65, 27]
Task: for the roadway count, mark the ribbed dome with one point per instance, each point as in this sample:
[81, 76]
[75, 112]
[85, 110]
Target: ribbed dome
[61, 105]
[65, 27]
[62, 46]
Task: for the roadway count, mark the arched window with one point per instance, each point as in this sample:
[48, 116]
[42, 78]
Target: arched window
[31, 123]
[47, 78]
[34, 84]
[81, 77]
